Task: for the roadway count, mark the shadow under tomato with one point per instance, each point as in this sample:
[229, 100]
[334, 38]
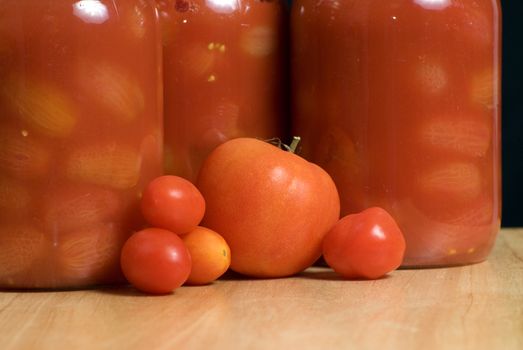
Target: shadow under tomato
[326, 274]
[236, 276]
[231, 275]
[128, 291]
[320, 274]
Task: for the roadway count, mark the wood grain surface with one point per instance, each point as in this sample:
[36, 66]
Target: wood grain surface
[471, 307]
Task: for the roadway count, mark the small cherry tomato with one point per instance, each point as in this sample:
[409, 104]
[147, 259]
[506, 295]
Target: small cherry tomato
[210, 255]
[173, 203]
[155, 261]
[364, 245]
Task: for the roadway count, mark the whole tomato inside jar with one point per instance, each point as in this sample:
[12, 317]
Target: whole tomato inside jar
[224, 76]
[80, 136]
[399, 101]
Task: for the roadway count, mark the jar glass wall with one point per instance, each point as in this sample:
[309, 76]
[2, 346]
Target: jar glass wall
[80, 136]
[224, 75]
[400, 102]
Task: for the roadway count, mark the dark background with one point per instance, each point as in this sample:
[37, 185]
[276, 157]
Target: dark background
[512, 115]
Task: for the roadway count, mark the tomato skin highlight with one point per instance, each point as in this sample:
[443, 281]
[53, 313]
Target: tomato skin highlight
[271, 206]
[173, 203]
[367, 245]
[155, 261]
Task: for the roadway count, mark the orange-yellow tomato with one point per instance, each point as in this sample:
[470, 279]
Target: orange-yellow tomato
[272, 207]
[210, 255]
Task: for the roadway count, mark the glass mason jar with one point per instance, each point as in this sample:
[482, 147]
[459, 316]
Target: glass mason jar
[223, 73]
[399, 101]
[80, 136]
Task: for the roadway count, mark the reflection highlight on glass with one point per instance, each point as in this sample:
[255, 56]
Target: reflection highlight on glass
[91, 11]
[433, 4]
[223, 6]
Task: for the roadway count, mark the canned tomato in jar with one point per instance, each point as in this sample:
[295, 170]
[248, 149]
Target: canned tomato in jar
[80, 136]
[224, 75]
[400, 102]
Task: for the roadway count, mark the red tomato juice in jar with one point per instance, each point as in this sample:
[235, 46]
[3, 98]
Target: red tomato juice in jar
[223, 75]
[400, 102]
[80, 136]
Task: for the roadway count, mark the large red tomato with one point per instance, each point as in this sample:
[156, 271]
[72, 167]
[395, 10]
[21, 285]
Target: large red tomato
[271, 206]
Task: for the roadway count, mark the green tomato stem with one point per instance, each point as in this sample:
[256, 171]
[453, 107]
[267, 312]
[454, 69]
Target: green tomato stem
[278, 143]
[294, 144]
